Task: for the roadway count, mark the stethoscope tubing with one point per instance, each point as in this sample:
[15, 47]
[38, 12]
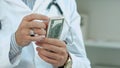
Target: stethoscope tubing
[54, 2]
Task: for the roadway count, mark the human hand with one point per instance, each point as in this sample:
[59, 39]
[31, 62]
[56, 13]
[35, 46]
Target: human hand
[53, 51]
[28, 23]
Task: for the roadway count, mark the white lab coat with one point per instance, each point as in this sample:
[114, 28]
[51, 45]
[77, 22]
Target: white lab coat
[11, 14]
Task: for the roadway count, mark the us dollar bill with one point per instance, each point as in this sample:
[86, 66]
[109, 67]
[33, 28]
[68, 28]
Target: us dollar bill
[55, 27]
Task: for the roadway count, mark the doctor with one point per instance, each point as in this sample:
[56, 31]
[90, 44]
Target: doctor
[17, 19]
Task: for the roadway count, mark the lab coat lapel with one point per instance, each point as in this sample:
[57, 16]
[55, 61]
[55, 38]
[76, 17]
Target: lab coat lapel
[23, 5]
[18, 3]
[62, 5]
[36, 5]
[67, 20]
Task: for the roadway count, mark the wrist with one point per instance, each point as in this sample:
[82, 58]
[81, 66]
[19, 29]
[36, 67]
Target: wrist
[68, 63]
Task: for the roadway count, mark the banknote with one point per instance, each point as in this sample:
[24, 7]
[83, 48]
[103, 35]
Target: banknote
[55, 27]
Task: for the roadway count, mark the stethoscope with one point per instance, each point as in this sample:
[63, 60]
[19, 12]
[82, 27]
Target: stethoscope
[54, 3]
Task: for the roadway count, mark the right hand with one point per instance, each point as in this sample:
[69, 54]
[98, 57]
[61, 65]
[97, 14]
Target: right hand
[28, 23]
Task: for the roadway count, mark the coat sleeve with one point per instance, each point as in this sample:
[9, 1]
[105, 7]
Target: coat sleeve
[74, 39]
[5, 39]
[4, 43]
[4, 51]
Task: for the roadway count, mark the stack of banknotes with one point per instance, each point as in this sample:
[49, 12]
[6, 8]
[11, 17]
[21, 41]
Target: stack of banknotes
[55, 27]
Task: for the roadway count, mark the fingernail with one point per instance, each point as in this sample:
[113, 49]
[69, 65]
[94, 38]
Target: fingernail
[41, 37]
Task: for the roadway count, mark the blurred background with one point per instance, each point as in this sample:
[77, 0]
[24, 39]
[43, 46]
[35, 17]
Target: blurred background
[100, 23]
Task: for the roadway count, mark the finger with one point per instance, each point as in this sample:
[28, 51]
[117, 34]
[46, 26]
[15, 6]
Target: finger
[51, 61]
[35, 17]
[47, 59]
[48, 54]
[36, 24]
[55, 42]
[52, 48]
[25, 32]
[40, 31]
[36, 38]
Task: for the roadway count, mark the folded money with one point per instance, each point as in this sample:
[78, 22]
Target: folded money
[55, 27]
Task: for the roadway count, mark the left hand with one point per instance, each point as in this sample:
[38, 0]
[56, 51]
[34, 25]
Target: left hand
[53, 51]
